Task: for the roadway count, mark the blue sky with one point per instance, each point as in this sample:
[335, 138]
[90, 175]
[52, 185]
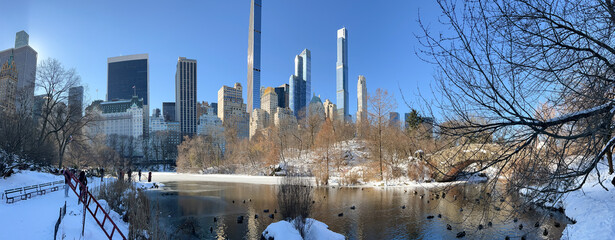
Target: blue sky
[83, 34]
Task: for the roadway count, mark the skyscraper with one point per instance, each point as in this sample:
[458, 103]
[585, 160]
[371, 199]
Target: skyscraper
[128, 76]
[299, 92]
[361, 100]
[185, 95]
[168, 111]
[25, 58]
[282, 92]
[254, 56]
[75, 102]
[341, 76]
[21, 39]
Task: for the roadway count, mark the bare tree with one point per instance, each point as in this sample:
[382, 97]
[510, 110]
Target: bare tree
[502, 61]
[295, 201]
[380, 104]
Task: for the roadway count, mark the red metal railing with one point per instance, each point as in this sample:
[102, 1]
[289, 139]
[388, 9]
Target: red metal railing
[88, 198]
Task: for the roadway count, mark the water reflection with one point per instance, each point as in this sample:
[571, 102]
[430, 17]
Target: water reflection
[209, 210]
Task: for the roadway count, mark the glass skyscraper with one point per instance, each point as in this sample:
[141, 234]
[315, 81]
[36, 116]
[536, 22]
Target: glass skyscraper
[128, 76]
[299, 83]
[254, 56]
[341, 75]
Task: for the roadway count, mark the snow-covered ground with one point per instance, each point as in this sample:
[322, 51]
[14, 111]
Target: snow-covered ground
[593, 208]
[314, 230]
[36, 217]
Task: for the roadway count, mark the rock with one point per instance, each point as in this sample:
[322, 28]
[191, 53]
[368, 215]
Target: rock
[461, 234]
[240, 219]
[556, 224]
[430, 217]
[340, 214]
[448, 227]
[353, 207]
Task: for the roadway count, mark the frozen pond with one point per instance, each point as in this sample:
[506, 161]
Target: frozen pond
[187, 210]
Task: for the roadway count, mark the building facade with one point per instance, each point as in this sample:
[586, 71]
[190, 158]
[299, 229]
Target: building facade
[75, 102]
[8, 86]
[282, 92]
[341, 74]
[254, 56]
[25, 58]
[232, 109]
[259, 120]
[330, 110]
[269, 101]
[168, 111]
[300, 83]
[123, 117]
[361, 100]
[185, 95]
[128, 76]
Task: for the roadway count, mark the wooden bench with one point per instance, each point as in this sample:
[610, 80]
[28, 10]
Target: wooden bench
[12, 191]
[55, 187]
[27, 191]
[42, 188]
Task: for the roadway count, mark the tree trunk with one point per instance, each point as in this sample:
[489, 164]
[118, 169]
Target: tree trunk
[609, 157]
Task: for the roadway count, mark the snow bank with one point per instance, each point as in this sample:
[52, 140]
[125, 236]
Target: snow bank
[592, 208]
[314, 230]
[35, 218]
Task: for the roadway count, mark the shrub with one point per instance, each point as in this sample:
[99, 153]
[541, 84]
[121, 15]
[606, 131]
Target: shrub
[295, 201]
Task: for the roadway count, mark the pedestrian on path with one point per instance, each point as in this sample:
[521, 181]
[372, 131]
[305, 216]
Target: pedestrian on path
[83, 182]
[139, 175]
[130, 175]
[66, 181]
[149, 177]
[102, 174]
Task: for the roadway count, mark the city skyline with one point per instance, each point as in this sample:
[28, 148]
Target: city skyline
[224, 65]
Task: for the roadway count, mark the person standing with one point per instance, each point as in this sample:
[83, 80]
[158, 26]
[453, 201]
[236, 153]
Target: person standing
[139, 175]
[66, 181]
[83, 182]
[149, 177]
[129, 175]
[102, 174]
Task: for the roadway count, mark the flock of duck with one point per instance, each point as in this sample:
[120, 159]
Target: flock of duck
[460, 234]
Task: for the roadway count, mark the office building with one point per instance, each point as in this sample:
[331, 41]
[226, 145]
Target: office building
[299, 84]
[269, 100]
[316, 108]
[341, 75]
[185, 95]
[361, 100]
[232, 110]
[8, 86]
[254, 56]
[282, 92]
[394, 119]
[75, 102]
[25, 58]
[128, 76]
[168, 111]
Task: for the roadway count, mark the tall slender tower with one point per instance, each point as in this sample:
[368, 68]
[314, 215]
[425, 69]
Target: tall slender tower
[341, 69]
[361, 100]
[185, 95]
[306, 64]
[254, 56]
